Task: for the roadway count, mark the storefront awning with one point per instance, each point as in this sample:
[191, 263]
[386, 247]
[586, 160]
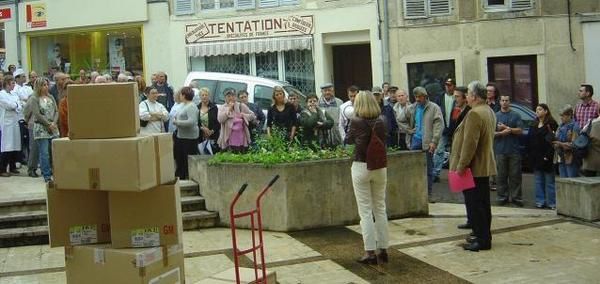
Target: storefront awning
[250, 46]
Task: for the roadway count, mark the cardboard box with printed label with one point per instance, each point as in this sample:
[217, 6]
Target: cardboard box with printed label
[146, 219]
[77, 217]
[99, 264]
[120, 164]
[103, 111]
[163, 147]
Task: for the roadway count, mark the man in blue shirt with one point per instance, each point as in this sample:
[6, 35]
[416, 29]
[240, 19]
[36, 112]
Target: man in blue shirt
[508, 157]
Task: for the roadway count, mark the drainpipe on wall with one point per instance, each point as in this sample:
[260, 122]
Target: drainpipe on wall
[385, 39]
[570, 29]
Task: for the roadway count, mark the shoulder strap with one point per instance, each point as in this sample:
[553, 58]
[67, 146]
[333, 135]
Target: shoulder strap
[147, 107]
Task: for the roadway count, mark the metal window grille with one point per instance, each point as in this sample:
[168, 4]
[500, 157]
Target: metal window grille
[237, 64]
[299, 70]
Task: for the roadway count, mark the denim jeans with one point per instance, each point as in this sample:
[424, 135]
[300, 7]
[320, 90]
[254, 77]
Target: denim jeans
[44, 150]
[571, 170]
[438, 158]
[544, 189]
[417, 144]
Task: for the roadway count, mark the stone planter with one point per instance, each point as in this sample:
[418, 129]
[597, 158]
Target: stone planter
[309, 194]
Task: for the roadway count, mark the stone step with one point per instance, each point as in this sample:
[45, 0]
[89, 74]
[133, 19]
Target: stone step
[199, 219]
[23, 219]
[22, 205]
[37, 235]
[12, 237]
[192, 203]
[189, 188]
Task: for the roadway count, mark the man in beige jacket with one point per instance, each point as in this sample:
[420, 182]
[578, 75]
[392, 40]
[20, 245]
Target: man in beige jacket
[473, 148]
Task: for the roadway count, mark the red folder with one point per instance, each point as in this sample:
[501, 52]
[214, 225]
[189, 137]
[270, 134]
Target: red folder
[460, 183]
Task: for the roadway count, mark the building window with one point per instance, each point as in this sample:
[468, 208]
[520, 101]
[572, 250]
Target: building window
[294, 66]
[414, 9]
[516, 77]
[105, 51]
[430, 75]
[242, 4]
[236, 64]
[216, 4]
[507, 5]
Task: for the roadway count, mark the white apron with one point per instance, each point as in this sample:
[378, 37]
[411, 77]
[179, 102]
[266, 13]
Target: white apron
[10, 106]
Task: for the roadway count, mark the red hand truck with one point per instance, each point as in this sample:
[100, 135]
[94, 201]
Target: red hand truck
[255, 213]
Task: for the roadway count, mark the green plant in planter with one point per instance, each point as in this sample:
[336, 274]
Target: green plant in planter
[278, 150]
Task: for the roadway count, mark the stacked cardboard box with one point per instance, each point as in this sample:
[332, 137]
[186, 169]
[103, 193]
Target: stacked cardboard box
[114, 201]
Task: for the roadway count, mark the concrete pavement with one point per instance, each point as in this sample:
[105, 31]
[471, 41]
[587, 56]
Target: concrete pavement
[530, 246]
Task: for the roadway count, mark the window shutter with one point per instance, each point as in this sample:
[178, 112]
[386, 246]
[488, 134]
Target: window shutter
[184, 7]
[439, 7]
[288, 2]
[245, 4]
[521, 4]
[268, 3]
[414, 9]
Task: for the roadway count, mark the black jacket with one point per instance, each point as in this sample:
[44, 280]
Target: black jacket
[213, 123]
[540, 146]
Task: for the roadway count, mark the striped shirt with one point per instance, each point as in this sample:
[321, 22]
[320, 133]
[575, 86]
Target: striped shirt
[584, 112]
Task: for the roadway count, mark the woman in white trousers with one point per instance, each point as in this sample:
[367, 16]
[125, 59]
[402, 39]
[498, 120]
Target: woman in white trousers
[369, 181]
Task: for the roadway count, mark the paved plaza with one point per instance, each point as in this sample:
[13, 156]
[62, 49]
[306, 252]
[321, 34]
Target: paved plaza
[529, 246]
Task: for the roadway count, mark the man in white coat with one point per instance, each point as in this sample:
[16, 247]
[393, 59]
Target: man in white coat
[10, 147]
[23, 91]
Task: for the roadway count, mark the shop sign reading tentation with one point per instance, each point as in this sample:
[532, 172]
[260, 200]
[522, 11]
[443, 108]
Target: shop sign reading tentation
[249, 29]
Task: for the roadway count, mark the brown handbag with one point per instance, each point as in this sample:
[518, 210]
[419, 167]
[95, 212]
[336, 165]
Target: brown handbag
[376, 152]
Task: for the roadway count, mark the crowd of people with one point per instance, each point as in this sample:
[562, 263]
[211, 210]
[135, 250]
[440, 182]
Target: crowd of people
[474, 125]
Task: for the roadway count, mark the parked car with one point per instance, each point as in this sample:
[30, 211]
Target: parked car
[528, 119]
[260, 90]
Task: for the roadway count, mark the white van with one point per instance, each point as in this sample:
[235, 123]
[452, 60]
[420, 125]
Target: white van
[260, 90]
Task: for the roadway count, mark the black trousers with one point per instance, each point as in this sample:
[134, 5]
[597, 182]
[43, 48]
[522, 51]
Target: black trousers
[182, 148]
[9, 159]
[479, 210]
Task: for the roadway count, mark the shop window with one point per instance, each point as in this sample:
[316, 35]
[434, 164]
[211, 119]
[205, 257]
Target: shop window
[516, 77]
[504, 5]
[430, 75]
[267, 66]
[299, 70]
[425, 8]
[106, 51]
[236, 64]
[295, 66]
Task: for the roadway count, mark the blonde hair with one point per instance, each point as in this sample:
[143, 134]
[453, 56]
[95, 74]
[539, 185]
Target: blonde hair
[366, 106]
[38, 84]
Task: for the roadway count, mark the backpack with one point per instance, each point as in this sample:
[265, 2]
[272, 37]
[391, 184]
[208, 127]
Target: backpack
[581, 144]
[376, 153]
